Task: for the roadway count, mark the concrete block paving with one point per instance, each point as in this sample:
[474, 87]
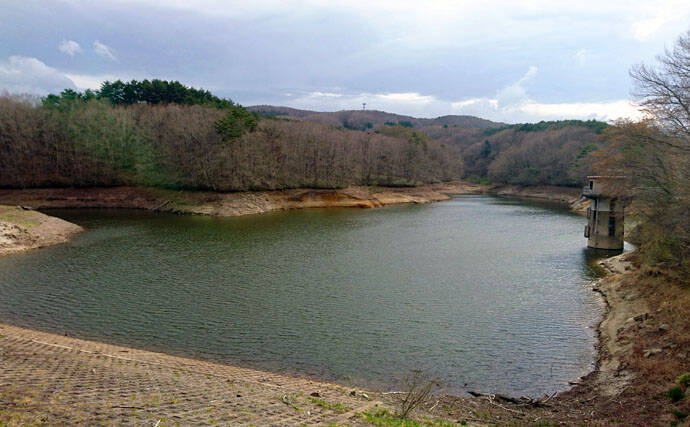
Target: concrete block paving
[57, 380]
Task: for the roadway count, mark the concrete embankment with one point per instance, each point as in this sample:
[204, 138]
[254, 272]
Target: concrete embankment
[59, 380]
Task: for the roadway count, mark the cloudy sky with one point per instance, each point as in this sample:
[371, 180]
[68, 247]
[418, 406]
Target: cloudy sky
[511, 61]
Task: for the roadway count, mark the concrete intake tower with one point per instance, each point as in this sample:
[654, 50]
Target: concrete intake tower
[604, 228]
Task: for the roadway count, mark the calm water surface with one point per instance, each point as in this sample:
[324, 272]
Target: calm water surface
[489, 294]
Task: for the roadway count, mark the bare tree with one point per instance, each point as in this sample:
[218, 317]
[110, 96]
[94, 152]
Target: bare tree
[420, 388]
[655, 154]
[664, 91]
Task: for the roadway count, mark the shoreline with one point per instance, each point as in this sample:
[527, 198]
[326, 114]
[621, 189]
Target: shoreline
[23, 228]
[608, 379]
[255, 202]
[93, 358]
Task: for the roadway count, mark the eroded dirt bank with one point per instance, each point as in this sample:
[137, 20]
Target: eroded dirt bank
[568, 196]
[247, 203]
[22, 229]
[644, 347]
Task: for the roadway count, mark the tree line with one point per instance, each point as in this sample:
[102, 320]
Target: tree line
[87, 139]
[549, 154]
[161, 133]
[135, 92]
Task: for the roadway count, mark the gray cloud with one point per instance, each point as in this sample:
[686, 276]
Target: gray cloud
[426, 58]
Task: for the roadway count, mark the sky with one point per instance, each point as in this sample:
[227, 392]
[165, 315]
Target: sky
[510, 61]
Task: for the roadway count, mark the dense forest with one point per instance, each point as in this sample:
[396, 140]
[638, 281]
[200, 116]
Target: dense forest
[544, 153]
[165, 134]
[89, 139]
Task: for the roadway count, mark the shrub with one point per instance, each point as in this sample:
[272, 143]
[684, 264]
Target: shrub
[419, 389]
[676, 394]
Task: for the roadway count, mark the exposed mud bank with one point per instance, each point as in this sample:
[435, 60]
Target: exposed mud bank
[22, 229]
[568, 196]
[253, 202]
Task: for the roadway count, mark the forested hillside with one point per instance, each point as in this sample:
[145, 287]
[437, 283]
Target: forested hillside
[369, 119]
[88, 139]
[165, 134]
[545, 153]
[548, 155]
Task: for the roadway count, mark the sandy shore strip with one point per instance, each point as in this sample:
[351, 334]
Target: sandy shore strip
[22, 229]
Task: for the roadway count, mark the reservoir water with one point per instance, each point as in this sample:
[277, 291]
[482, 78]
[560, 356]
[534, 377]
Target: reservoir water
[487, 294]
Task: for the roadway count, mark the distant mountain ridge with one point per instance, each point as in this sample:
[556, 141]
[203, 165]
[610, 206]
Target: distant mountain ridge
[367, 119]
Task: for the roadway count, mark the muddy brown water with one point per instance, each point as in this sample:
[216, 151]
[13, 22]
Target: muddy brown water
[486, 294]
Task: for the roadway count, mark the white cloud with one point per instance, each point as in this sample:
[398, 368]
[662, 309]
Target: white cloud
[88, 81]
[582, 56]
[406, 97]
[513, 104]
[69, 47]
[103, 50]
[610, 110]
[20, 74]
[659, 17]
[645, 28]
[515, 93]
[510, 104]
[443, 23]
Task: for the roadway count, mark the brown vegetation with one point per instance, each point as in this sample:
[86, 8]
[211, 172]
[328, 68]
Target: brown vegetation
[546, 153]
[178, 146]
[654, 155]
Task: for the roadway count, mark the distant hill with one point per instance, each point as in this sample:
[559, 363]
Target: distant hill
[368, 119]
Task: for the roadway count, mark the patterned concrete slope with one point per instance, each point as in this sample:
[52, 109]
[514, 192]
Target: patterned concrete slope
[58, 380]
